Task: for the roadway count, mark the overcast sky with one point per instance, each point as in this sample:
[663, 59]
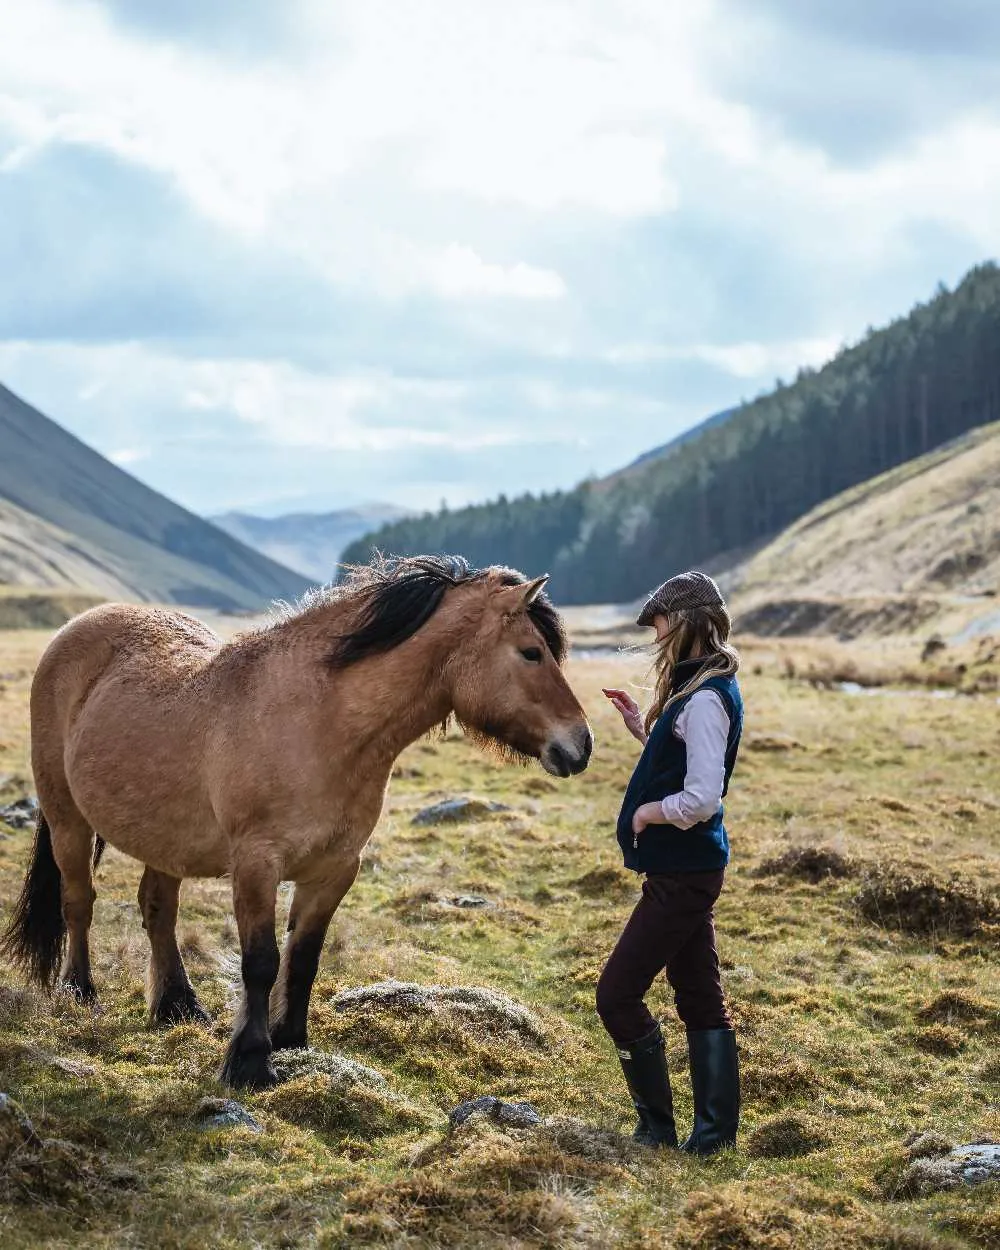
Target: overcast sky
[303, 254]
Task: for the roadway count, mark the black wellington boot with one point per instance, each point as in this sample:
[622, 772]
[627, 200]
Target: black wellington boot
[645, 1066]
[715, 1083]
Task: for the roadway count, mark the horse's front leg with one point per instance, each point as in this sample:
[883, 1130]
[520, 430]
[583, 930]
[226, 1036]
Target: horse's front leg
[312, 908]
[171, 997]
[247, 1064]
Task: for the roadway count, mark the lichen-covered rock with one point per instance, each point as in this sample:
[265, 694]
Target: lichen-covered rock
[21, 813]
[972, 1164]
[514, 1114]
[452, 811]
[220, 1113]
[485, 1009]
[305, 1061]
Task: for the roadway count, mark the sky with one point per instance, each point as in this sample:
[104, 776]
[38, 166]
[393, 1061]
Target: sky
[275, 256]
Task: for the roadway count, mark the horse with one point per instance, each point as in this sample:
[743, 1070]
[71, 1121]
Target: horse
[267, 759]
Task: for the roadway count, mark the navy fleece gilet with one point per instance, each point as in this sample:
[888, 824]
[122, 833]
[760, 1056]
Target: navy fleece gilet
[660, 771]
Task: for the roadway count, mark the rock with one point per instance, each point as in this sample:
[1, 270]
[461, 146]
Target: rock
[452, 811]
[216, 1113]
[487, 1010]
[72, 1067]
[512, 1114]
[305, 1061]
[21, 813]
[972, 1164]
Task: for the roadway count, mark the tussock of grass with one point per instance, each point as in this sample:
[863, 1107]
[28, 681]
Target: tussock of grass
[474, 1009]
[605, 883]
[448, 1214]
[954, 1005]
[924, 904]
[809, 863]
[940, 1039]
[786, 1137]
[49, 1172]
[344, 1107]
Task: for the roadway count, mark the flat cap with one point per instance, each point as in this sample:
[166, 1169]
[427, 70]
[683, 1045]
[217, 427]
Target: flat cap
[680, 593]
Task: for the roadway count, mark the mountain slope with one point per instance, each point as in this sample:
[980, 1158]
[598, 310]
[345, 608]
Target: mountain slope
[899, 550]
[901, 391]
[309, 542]
[70, 518]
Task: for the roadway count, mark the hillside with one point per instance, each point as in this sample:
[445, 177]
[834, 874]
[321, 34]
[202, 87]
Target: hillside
[902, 549]
[71, 519]
[310, 543]
[655, 453]
[900, 392]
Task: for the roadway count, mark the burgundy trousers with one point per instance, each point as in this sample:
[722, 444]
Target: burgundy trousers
[672, 928]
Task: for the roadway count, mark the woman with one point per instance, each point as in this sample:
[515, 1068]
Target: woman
[671, 829]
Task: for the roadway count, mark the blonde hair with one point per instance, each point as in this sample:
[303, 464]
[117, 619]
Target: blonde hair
[701, 630]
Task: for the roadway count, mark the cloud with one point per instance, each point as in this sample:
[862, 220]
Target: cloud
[464, 248]
[741, 360]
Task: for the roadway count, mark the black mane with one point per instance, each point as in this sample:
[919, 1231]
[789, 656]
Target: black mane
[401, 593]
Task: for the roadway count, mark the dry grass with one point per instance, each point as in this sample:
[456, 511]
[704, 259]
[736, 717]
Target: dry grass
[856, 1032]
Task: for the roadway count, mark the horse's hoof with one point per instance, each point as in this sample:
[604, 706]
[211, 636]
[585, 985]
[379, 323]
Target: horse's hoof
[82, 991]
[284, 1037]
[250, 1070]
[179, 1005]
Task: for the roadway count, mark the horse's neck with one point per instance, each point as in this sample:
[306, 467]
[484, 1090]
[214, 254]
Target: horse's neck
[390, 699]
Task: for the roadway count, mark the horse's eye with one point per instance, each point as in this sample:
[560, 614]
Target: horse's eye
[533, 654]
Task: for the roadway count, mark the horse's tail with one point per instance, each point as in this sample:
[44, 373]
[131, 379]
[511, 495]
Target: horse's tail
[36, 935]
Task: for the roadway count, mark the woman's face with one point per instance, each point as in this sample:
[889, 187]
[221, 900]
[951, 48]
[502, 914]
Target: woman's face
[661, 625]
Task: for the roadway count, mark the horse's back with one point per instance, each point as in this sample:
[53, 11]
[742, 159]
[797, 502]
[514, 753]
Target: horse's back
[119, 720]
[139, 646]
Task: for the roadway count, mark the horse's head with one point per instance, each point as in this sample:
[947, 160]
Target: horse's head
[507, 684]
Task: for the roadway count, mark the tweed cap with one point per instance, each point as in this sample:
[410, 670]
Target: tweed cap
[680, 593]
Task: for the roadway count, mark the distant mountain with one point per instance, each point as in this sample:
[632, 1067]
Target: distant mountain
[309, 542]
[70, 519]
[744, 476]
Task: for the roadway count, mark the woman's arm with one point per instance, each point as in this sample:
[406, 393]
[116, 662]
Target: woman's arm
[703, 726]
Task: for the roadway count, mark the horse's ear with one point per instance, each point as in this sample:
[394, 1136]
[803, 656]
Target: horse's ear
[534, 589]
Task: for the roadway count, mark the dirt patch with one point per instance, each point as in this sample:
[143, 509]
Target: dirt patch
[920, 903]
[809, 863]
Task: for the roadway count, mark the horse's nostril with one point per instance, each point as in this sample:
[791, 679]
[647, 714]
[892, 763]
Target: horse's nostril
[588, 745]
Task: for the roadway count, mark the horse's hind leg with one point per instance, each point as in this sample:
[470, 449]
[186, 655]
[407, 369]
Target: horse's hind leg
[312, 907]
[171, 998]
[73, 851]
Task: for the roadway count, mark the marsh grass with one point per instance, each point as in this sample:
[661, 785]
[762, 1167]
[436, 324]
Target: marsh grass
[856, 1032]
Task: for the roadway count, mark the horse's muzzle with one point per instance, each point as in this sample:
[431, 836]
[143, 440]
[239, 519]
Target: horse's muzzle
[569, 753]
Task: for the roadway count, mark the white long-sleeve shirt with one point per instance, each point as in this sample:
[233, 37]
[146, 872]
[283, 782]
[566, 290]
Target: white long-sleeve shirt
[703, 726]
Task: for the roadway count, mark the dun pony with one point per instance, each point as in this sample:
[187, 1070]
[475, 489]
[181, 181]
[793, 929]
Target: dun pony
[267, 759]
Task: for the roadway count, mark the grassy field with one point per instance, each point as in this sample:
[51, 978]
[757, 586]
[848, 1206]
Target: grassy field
[859, 936]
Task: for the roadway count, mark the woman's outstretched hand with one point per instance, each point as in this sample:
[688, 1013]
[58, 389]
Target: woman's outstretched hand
[630, 712]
